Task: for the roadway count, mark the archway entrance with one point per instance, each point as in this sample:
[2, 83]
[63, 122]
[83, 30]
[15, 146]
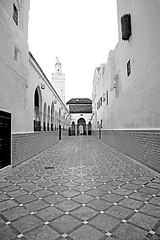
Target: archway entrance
[81, 126]
[52, 116]
[73, 128]
[44, 116]
[89, 128]
[37, 109]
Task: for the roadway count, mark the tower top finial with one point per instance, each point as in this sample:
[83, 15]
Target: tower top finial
[58, 66]
[57, 59]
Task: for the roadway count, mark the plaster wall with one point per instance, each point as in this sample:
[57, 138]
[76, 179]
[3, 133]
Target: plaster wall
[13, 74]
[97, 94]
[108, 87]
[23, 8]
[137, 106]
[103, 80]
[138, 102]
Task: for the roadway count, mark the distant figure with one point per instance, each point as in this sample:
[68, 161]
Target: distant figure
[81, 130]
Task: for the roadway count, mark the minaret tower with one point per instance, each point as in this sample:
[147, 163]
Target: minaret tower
[58, 80]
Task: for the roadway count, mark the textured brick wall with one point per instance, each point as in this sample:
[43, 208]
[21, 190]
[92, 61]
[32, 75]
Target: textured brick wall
[142, 145]
[26, 145]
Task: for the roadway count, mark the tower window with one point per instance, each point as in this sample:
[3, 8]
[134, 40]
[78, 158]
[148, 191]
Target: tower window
[15, 14]
[128, 68]
[126, 26]
[16, 54]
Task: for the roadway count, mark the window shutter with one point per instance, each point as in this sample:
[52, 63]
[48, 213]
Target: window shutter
[126, 26]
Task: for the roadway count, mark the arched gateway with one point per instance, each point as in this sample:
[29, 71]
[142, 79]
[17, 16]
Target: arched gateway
[81, 126]
[37, 109]
[80, 110]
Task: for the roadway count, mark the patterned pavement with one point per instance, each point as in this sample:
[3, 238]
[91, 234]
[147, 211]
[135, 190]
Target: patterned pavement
[80, 189]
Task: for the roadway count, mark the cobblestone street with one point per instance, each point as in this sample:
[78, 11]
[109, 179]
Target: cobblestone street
[80, 189]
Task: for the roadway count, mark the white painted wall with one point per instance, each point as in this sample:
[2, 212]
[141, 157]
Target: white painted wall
[137, 106]
[14, 75]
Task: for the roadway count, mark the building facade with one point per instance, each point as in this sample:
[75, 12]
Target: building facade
[126, 91]
[80, 110]
[31, 110]
[131, 75]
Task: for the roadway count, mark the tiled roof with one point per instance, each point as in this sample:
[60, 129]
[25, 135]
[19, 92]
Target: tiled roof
[79, 101]
[80, 108]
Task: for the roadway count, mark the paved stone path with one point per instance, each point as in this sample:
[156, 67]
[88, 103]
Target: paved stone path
[80, 189]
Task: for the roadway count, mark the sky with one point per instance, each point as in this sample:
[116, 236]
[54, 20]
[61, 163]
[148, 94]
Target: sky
[80, 32]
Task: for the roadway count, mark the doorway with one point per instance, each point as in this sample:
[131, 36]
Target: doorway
[81, 126]
[5, 139]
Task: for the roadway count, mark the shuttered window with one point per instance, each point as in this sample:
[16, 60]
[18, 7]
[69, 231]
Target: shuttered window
[126, 26]
[128, 68]
[15, 14]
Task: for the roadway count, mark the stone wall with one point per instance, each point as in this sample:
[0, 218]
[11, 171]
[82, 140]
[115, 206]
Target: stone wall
[142, 145]
[26, 145]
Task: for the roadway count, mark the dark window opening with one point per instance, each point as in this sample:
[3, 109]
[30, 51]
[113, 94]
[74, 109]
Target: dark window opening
[36, 99]
[107, 97]
[5, 139]
[101, 101]
[16, 53]
[126, 26]
[15, 14]
[101, 124]
[128, 68]
[103, 70]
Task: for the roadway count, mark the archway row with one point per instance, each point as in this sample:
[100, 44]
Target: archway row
[46, 118]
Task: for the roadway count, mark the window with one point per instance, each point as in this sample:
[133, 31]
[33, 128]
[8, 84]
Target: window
[16, 54]
[107, 97]
[103, 70]
[126, 26]
[97, 106]
[101, 124]
[15, 14]
[104, 97]
[101, 101]
[128, 68]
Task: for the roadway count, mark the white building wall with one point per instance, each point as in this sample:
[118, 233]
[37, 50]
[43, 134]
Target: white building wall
[137, 105]
[14, 74]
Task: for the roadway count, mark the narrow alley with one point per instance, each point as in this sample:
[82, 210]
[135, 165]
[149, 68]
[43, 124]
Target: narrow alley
[80, 189]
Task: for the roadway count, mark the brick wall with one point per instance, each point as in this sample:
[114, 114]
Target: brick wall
[26, 145]
[142, 145]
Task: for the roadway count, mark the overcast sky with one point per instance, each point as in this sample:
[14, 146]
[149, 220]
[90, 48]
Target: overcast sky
[80, 32]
